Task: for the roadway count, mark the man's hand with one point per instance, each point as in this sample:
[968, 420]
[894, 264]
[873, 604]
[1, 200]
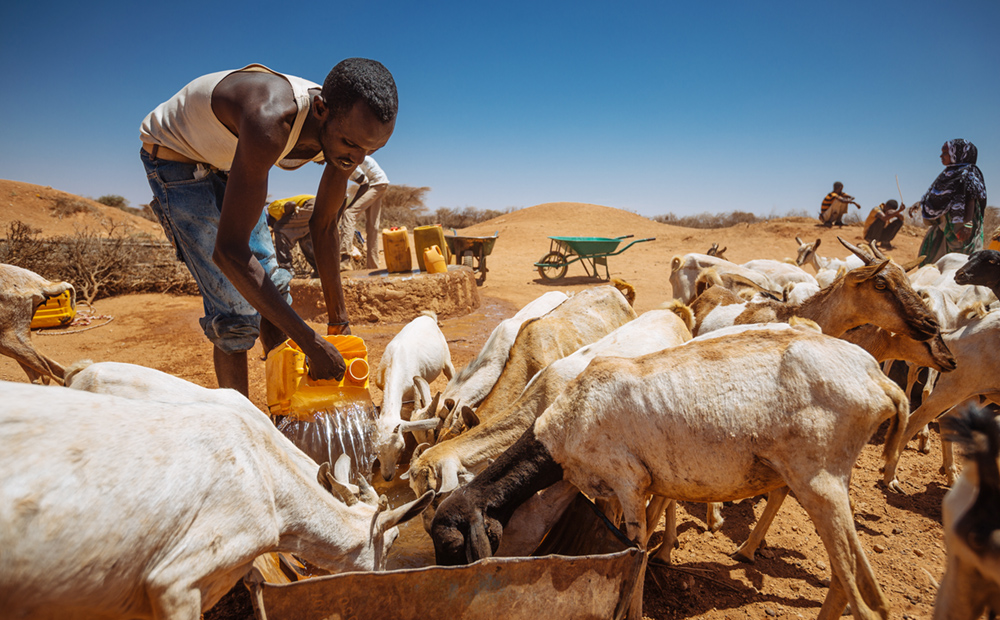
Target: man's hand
[324, 361]
[963, 232]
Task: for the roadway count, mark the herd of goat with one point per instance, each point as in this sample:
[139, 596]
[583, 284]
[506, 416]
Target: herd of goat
[761, 378]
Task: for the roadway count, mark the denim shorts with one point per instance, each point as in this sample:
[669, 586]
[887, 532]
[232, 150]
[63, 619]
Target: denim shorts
[188, 201]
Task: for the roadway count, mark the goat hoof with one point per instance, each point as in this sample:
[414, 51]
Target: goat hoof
[893, 485]
[742, 556]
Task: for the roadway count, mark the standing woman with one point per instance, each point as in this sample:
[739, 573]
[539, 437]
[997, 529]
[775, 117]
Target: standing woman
[954, 205]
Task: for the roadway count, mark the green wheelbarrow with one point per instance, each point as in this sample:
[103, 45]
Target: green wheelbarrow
[589, 251]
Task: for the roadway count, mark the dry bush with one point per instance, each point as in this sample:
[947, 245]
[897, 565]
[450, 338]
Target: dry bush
[66, 205]
[99, 265]
[122, 204]
[402, 204]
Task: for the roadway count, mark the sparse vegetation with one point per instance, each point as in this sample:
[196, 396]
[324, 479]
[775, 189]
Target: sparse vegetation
[98, 265]
[68, 205]
[113, 200]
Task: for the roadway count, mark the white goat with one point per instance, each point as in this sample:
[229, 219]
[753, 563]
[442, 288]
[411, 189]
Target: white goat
[780, 273]
[971, 583]
[418, 350]
[113, 507]
[471, 385]
[715, 419]
[978, 358]
[21, 293]
[684, 272]
[582, 319]
[445, 465]
[807, 255]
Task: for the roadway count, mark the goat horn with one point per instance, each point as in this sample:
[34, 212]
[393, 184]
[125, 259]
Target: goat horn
[331, 484]
[799, 241]
[913, 264]
[368, 494]
[860, 253]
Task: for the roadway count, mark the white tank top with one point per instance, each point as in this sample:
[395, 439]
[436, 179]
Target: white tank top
[186, 123]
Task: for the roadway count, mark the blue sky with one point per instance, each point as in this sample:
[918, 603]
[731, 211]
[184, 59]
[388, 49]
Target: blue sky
[650, 107]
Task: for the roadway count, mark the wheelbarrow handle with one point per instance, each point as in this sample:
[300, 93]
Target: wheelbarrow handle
[625, 237]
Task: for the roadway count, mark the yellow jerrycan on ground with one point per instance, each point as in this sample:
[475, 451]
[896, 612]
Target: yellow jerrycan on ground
[291, 391]
[56, 311]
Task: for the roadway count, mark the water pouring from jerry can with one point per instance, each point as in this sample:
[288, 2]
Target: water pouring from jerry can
[325, 418]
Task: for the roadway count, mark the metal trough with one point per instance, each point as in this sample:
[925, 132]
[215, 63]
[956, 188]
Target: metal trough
[583, 569]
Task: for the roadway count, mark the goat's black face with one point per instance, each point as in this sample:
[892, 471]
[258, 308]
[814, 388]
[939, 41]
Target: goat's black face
[983, 269]
[455, 542]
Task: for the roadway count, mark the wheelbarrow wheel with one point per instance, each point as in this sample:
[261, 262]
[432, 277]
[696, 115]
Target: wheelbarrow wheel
[556, 267]
[468, 259]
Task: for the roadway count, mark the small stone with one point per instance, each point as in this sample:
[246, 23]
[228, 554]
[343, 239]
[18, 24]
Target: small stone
[795, 528]
[918, 553]
[821, 565]
[896, 530]
[878, 548]
[770, 612]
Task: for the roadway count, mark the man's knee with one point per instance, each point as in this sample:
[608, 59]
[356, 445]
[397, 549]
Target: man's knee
[232, 334]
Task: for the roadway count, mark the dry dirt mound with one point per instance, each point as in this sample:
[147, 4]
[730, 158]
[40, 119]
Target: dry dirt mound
[524, 240]
[43, 208]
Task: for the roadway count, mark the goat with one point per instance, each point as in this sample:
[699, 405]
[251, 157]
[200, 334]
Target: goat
[743, 287]
[716, 252]
[445, 465]
[471, 385]
[114, 507]
[780, 273]
[718, 418]
[418, 350]
[807, 255]
[21, 293]
[977, 356]
[580, 320]
[877, 293]
[971, 582]
[982, 269]
[684, 272]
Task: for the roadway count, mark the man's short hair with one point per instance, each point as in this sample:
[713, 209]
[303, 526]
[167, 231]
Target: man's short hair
[837, 186]
[891, 205]
[361, 79]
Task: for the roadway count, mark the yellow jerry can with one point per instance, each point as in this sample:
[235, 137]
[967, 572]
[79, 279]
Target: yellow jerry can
[290, 390]
[56, 311]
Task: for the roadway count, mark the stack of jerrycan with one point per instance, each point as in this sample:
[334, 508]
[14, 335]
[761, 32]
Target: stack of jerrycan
[425, 237]
[324, 418]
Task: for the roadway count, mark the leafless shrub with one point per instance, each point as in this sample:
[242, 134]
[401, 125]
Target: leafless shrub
[991, 223]
[67, 205]
[111, 263]
[21, 245]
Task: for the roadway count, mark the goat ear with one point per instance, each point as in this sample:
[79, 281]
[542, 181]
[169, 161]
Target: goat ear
[342, 469]
[391, 518]
[449, 477]
[477, 545]
[865, 256]
[863, 274]
[469, 417]
[331, 484]
[817, 244]
[368, 494]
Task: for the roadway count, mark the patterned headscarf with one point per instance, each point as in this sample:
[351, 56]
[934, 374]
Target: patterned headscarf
[950, 191]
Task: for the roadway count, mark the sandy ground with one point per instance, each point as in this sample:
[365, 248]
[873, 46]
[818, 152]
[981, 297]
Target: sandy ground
[900, 533]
